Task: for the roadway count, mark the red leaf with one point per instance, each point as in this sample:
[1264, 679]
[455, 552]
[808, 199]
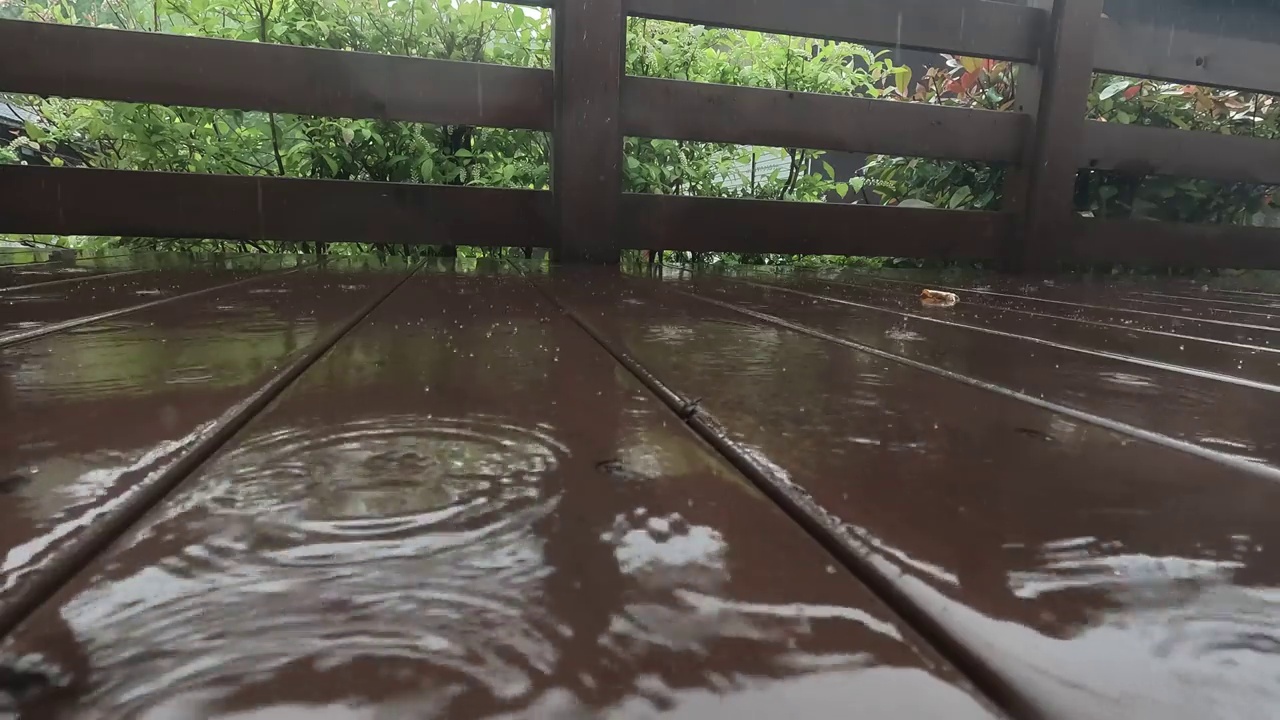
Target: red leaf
[1132, 92]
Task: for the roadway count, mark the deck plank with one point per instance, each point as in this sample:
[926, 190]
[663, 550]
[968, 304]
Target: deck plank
[40, 310]
[1130, 296]
[38, 255]
[22, 275]
[90, 417]
[1216, 414]
[1245, 363]
[582, 552]
[1090, 307]
[468, 509]
[1097, 575]
[986, 301]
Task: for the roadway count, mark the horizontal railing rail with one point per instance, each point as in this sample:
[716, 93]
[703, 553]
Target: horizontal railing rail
[79, 201]
[1187, 55]
[965, 27]
[99, 64]
[1141, 150]
[761, 226]
[1153, 243]
[681, 110]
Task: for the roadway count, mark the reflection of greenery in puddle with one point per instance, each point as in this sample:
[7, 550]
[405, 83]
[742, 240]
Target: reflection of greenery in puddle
[127, 358]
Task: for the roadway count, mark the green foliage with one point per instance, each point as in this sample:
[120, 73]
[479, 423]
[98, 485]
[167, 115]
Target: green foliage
[179, 139]
[735, 57]
[1187, 107]
[8, 155]
[153, 137]
[988, 84]
[772, 259]
[963, 82]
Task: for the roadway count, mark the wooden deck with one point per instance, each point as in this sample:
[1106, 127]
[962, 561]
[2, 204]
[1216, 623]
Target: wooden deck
[266, 487]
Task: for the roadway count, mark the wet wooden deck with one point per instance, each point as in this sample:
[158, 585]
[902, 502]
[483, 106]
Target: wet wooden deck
[262, 487]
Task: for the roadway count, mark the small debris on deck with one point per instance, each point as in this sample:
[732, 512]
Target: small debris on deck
[937, 298]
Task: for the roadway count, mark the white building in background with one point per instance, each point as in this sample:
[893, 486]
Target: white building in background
[767, 161]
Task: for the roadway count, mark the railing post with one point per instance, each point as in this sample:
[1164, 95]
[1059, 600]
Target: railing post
[1026, 95]
[586, 173]
[1040, 192]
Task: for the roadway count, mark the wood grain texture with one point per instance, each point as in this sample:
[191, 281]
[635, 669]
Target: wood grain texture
[679, 110]
[1145, 242]
[768, 226]
[586, 167]
[967, 27]
[1187, 55]
[1139, 150]
[66, 201]
[101, 64]
[1051, 161]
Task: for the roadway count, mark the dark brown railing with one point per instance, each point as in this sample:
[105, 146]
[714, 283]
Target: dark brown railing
[589, 106]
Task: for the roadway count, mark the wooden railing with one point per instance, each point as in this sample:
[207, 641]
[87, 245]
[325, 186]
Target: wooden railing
[589, 105]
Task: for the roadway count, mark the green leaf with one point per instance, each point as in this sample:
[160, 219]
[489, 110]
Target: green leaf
[333, 164]
[427, 168]
[831, 173]
[1115, 88]
[858, 183]
[35, 132]
[902, 81]
[960, 196]
[632, 163]
[842, 189]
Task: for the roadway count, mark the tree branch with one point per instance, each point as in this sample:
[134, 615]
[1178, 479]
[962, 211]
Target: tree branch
[792, 170]
[263, 10]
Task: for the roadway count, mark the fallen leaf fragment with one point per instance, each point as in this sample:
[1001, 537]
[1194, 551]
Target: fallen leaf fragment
[937, 298]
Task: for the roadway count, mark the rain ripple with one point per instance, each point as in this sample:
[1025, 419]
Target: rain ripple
[405, 539]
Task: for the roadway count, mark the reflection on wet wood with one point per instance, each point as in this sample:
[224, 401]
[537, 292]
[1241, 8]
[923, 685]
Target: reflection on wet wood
[1037, 539]
[1052, 499]
[421, 524]
[97, 414]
